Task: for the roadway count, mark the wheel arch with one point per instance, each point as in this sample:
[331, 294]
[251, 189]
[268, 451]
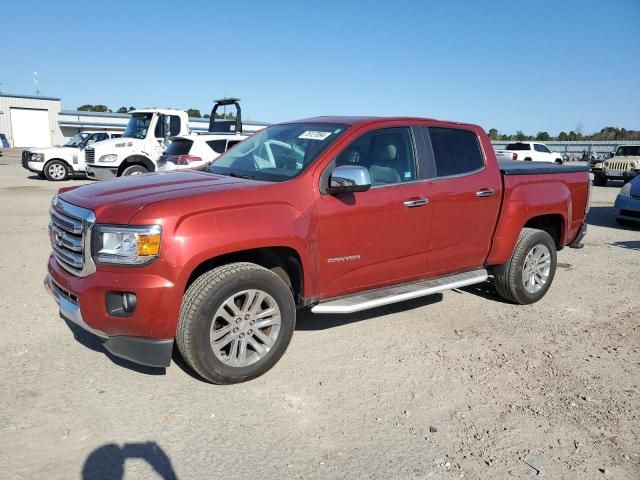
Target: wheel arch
[553, 224]
[136, 160]
[284, 261]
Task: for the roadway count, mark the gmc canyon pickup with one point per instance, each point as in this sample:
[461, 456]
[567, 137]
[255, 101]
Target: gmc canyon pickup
[353, 214]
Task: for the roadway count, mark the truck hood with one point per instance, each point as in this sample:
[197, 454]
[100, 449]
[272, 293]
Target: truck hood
[116, 201]
[50, 151]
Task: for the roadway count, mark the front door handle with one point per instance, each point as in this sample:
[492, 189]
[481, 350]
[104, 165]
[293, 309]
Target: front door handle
[485, 192]
[416, 203]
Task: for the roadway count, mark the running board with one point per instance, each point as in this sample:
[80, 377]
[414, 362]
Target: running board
[399, 293]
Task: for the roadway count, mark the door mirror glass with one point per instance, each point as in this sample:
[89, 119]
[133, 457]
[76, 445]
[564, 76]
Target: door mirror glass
[347, 178]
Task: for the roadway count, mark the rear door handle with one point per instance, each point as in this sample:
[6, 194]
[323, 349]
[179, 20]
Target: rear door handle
[485, 192]
[416, 203]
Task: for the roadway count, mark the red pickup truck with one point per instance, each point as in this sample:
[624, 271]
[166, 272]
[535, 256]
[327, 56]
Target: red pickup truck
[335, 214]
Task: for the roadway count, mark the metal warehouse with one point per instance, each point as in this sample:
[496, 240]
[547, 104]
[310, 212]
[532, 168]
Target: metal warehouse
[35, 121]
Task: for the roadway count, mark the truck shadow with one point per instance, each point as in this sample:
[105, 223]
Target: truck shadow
[604, 216]
[485, 290]
[92, 342]
[108, 461]
[308, 321]
[630, 245]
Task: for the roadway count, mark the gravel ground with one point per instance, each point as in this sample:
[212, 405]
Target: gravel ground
[451, 386]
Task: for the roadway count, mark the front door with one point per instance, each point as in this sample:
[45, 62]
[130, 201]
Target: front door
[369, 239]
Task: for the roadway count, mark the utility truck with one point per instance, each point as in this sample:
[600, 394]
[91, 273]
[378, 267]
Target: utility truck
[144, 140]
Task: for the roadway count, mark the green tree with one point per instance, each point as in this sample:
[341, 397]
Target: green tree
[131, 108]
[206, 115]
[93, 108]
[493, 134]
[194, 113]
[520, 136]
[122, 110]
[543, 136]
[563, 137]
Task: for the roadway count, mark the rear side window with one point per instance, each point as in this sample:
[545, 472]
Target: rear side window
[179, 146]
[518, 146]
[218, 146]
[456, 152]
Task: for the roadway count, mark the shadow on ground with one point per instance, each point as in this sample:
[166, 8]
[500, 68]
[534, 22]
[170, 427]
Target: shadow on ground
[309, 321]
[108, 461]
[630, 245]
[92, 342]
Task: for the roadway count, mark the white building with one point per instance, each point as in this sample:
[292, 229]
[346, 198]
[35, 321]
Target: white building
[34, 121]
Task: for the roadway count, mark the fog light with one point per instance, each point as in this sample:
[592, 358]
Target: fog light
[120, 304]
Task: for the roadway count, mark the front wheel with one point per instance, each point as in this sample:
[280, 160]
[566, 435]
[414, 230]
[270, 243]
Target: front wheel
[134, 170]
[56, 171]
[236, 322]
[531, 269]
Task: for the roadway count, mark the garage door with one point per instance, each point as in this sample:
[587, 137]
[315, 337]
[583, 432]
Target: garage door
[30, 127]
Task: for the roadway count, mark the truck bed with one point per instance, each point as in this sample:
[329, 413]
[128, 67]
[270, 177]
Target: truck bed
[514, 167]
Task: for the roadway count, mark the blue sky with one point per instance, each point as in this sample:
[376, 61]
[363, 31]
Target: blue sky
[529, 65]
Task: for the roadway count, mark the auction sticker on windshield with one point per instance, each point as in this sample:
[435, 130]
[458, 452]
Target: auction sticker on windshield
[315, 135]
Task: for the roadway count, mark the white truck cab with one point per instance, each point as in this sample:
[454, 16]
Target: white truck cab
[143, 141]
[59, 163]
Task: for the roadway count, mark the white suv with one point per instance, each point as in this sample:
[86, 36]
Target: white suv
[529, 151]
[192, 151]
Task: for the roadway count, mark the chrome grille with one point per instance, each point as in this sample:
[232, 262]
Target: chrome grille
[89, 155]
[70, 236]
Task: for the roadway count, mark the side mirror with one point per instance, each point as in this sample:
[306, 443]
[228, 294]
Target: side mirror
[347, 178]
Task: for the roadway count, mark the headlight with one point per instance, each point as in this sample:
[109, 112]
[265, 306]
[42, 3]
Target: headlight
[121, 245]
[625, 191]
[37, 157]
[112, 157]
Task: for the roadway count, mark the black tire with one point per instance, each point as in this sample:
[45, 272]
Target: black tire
[508, 278]
[134, 170]
[599, 180]
[558, 161]
[202, 300]
[56, 171]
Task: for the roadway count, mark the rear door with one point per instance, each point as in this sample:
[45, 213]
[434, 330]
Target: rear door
[466, 200]
[369, 239]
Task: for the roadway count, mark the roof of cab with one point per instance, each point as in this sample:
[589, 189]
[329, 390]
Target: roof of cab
[357, 121]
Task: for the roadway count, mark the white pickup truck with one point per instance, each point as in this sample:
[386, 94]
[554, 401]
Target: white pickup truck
[59, 163]
[529, 151]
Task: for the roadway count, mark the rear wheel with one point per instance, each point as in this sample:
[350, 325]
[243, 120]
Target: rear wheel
[599, 180]
[134, 170]
[56, 171]
[236, 322]
[531, 269]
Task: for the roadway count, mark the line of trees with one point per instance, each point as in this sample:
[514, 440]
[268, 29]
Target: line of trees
[192, 112]
[607, 133]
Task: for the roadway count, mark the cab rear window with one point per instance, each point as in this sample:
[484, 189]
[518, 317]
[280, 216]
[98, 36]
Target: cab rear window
[179, 146]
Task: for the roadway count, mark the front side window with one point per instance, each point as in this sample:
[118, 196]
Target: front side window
[386, 153]
[138, 125]
[541, 148]
[167, 126]
[279, 152]
[456, 152]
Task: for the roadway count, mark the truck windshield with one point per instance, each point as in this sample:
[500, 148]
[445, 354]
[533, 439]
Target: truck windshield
[628, 150]
[278, 153]
[138, 125]
[76, 140]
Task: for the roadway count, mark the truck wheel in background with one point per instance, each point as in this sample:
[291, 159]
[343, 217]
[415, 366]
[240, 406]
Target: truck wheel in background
[558, 161]
[236, 322]
[134, 170]
[599, 180]
[56, 170]
[530, 271]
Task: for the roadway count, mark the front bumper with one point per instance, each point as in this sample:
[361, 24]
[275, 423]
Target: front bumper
[100, 172]
[82, 302]
[627, 208]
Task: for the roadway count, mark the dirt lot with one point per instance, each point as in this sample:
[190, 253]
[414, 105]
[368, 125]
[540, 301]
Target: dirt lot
[455, 385]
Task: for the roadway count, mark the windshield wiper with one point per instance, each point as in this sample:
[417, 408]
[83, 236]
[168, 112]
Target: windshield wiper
[239, 175]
